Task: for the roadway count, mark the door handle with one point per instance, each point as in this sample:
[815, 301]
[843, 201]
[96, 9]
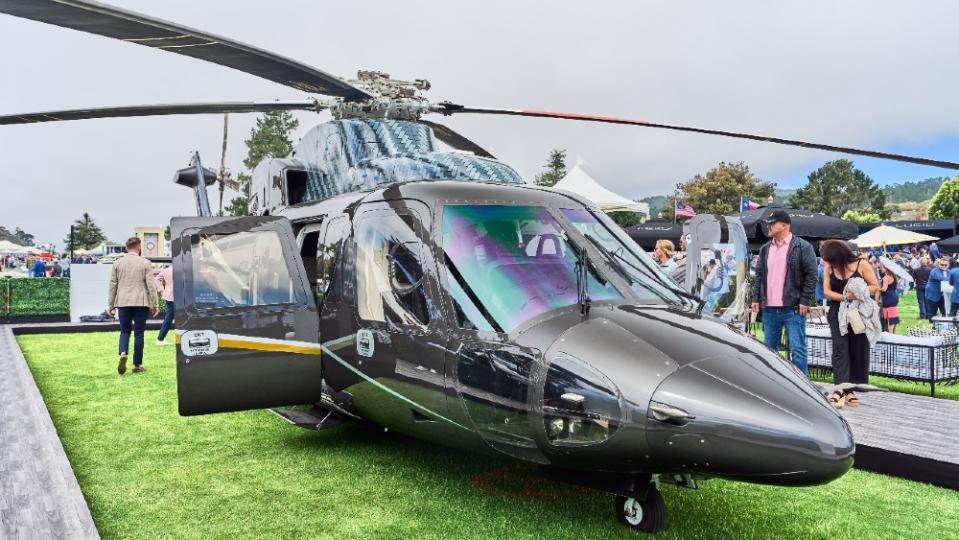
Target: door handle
[669, 415]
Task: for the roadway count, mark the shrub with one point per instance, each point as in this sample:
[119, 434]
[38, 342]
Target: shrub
[35, 296]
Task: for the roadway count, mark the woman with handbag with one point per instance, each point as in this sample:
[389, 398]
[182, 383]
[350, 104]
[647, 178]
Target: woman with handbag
[850, 350]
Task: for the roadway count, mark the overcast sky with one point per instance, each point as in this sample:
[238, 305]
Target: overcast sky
[873, 74]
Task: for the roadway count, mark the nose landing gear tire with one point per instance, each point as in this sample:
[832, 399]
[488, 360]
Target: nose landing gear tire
[647, 516]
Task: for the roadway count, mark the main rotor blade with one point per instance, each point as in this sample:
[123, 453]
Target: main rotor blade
[450, 108]
[158, 110]
[456, 140]
[132, 27]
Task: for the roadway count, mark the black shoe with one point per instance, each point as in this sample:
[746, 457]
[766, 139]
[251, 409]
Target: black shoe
[122, 366]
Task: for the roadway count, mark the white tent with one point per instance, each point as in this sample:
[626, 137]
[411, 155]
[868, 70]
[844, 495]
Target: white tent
[886, 235]
[7, 246]
[582, 184]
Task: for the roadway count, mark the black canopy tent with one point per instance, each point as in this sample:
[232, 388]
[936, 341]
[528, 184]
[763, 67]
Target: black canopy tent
[646, 234]
[809, 225]
[949, 245]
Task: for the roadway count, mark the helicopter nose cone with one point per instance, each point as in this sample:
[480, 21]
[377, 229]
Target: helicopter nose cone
[749, 417]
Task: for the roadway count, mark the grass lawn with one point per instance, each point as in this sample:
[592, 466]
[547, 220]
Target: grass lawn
[148, 473]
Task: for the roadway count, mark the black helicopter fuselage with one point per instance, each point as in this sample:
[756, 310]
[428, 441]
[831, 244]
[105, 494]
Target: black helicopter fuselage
[453, 312]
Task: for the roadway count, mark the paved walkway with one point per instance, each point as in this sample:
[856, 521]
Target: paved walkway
[39, 494]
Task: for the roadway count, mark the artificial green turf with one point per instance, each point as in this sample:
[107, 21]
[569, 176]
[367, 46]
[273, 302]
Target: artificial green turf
[148, 473]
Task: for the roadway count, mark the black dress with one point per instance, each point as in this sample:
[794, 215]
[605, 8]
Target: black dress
[850, 353]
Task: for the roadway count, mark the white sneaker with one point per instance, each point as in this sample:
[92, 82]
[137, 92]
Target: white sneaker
[162, 343]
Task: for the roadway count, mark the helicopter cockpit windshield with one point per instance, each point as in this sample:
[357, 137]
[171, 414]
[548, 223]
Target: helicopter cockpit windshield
[509, 264]
[645, 278]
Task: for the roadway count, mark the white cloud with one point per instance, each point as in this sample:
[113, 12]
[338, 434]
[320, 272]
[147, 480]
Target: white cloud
[871, 74]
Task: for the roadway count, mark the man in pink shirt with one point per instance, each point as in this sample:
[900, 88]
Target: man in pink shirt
[164, 283]
[785, 284]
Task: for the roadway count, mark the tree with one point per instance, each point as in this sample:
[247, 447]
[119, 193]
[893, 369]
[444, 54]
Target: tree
[86, 234]
[240, 205]
[839, 186]
[945, 204]
[920, 191]
[18, 237]
[23, 238]
[719, 190]
[656, 204]
[861, 217]
[555, 169]
[626, 219]
[270, 137]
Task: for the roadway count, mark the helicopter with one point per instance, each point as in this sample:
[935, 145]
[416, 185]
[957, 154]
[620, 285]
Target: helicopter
[382, 279]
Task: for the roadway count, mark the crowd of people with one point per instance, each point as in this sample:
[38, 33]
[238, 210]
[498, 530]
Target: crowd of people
[40, 267]
[860, 289]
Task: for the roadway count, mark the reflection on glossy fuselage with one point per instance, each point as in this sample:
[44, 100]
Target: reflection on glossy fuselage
[576, 393]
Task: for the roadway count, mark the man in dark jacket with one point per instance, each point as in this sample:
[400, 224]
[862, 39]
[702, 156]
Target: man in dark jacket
[785, 282]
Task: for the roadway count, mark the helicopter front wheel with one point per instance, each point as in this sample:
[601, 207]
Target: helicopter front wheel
[647, 516]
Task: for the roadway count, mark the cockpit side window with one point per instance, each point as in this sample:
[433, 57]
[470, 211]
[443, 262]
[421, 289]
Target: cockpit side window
[390, 284]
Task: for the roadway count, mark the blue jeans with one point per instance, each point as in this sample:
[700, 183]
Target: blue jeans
[774, 318]
[921, 300]
[167, 321]
[935, 306]
[134, 318]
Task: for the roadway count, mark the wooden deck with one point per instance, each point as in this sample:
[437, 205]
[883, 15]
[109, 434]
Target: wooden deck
[39, 494]
[914, 437]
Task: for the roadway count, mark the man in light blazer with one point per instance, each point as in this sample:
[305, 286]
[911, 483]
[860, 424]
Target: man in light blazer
[134, 296]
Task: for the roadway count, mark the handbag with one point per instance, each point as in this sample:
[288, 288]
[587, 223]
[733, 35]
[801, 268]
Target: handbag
[854, 318]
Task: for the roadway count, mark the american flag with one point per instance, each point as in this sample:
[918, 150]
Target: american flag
[684, 210]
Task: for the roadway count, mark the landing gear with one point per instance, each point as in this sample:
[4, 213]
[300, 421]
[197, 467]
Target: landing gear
[647, 516]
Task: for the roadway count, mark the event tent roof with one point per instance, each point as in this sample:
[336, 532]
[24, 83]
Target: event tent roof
[582, 184]
[804, 223]
[891, 236]
[7, 246]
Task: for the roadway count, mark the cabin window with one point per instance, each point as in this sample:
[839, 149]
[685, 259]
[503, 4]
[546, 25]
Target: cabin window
[240, 270]
[308, 253]
[390, 285]
[296, 181]
[328, 256]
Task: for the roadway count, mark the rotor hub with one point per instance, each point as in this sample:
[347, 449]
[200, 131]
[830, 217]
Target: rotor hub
[400, 100]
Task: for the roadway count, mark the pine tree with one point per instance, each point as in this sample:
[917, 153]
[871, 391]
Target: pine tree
[270, 137]
[555, 169]
[86, 234]
[23, 238]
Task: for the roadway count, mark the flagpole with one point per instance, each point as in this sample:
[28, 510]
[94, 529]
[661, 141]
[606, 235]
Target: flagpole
[675, 202]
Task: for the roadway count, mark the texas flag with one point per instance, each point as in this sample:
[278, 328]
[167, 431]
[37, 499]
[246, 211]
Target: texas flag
[746, 205]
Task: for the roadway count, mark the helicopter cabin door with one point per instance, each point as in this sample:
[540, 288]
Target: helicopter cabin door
[247, 325]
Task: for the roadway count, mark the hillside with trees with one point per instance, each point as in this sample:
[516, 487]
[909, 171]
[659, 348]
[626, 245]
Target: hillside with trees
[919, 191]
[18, 236]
